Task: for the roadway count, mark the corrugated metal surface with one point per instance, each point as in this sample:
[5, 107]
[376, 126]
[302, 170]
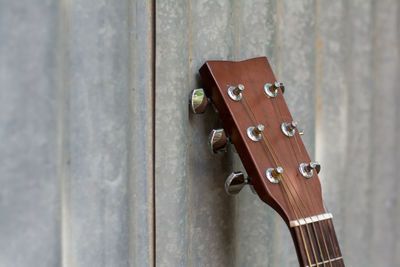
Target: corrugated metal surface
[76, 119]
[77, 129]
[339, 61]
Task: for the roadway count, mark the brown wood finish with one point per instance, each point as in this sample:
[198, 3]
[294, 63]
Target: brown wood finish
[294, 197]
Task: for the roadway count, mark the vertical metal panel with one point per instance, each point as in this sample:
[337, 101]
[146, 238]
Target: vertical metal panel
[356, 109]
[324, 51]
[77, 129]
[332, 56]
[332, 64]
[215, 31]
[76, 111]
[357, 185]
[211, 226]
[29, 202]
[384, 184]
[194, 221]
[109, 116]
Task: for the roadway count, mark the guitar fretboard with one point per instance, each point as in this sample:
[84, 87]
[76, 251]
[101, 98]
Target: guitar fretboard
[316, 244]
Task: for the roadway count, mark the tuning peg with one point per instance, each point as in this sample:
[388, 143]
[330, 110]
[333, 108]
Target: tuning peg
[307, 169]
[255, 133]
[235, 182]
[274, 174]
[218, 140]
[289, 128]
[198, 101]
[235, 92]
[272, 89]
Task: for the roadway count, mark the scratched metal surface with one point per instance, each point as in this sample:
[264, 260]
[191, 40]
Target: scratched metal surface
[340, 63]
[76, 133]
[76, 130]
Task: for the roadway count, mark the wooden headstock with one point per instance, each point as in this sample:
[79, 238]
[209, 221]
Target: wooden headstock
[246, 95]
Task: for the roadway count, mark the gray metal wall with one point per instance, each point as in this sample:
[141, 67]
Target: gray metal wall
[92, 173]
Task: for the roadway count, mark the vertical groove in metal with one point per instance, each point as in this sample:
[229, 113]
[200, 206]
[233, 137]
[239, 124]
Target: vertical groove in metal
[333, 41]
[63, 132]
[396, 236]
[356, 214]
[154, 67]
[383, 192]
[105, 124]
[93, 138]
[172, 211]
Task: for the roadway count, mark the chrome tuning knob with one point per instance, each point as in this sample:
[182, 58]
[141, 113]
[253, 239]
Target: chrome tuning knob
[218, 140]
[274, 174]
[307, 169]
[235, 183]
[198, 101]
[255, 133]
[271, 90]
[289, 128]
[235, 92]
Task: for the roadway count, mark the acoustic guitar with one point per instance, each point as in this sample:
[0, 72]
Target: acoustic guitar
[258, 123]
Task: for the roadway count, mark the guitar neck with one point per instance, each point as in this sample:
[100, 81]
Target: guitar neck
[316, 244]
[258, 122]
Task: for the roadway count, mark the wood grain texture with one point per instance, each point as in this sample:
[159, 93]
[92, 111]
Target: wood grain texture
[294, 197]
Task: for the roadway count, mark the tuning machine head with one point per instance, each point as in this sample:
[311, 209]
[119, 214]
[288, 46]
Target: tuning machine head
[255, 133]
[218, 140]
[235, 183]
[307, 169]
[289, 128]
[235, 92]
[271, 89]
[198, 101]
[274, 174]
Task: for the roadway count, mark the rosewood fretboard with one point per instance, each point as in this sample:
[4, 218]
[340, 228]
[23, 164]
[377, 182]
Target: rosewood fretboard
[317, 245]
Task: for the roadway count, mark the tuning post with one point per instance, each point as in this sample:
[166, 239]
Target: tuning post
[274, 174]
[255, 133]
[307, 170]
[198, 101]
[218, 141]
[289, 128]
[271, 89]
[235, 92]
[235, 183]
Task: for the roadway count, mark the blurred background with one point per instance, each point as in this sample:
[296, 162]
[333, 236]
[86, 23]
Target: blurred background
[101, 163]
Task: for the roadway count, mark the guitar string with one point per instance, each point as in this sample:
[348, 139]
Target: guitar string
[336, 242]
[284, 189]
[320, 223]
[269, 146]
[273, 152]
[328, 234]
[275, 104]
[276, 162]
[287, 196]
[308, 193]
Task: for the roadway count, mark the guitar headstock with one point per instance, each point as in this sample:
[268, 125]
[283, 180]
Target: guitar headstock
[257, 121]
